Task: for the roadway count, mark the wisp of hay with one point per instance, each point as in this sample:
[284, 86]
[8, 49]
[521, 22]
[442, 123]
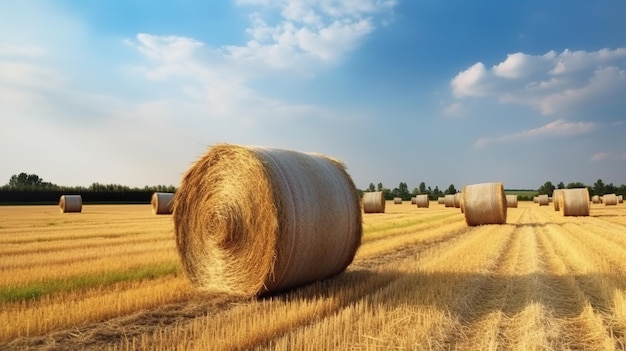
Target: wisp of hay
[484, 203]
[251, 220]
[575, 202]
[374, 202]
[162, 203]
[511, 201]
[71, 203]
[422, 201]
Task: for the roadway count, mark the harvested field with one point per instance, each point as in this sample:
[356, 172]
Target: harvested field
[110, 278]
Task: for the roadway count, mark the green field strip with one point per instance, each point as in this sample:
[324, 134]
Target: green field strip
[95, 280]
[405, 224]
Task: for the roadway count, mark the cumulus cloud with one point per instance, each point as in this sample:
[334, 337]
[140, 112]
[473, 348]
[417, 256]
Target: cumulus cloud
[552, 83]
[557, 128]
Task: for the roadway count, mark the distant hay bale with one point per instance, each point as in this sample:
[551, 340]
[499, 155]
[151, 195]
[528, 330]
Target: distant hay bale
[71, 203]
[484, 203]
[449, 200]
[511, 201]
[457, 200]
[557, 197]
[162, 203]
[595, 199]
[575, 202]
[543, 200]
[536, 199]
[422, 201]
[441, 200]
[413, 200]
[374, 202]
[397, 200]
[620, 199]
[610, 199]
[252, 220]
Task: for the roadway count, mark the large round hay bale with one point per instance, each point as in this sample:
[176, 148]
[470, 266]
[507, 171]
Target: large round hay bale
[511, 201]
[441, 200]
[422, 201]
[610, 199]
[71, 203]
[576, 202]
[484, 203]
[448, 200]
[251, 220]
[413, 200]
[397, 201]
[374, 202]
[543, 200]
[162, 203]
[557, 197]
[595, 199]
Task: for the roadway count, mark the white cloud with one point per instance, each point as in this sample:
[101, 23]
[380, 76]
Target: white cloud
[552, 83]
[455, 109]
[609, 156]
[557, 128]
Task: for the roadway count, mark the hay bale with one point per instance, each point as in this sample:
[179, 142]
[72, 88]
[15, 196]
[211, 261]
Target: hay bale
[557, 199]
[374, 202]
[511, 201]
[413, 200]
[422, 201]
[536, 199]
[71, 203]
[251, 220]
[449, 200]
[595, 199]
[441, 200]
[484, 203]
[610, 199]
[575, 202]
[397, 201]
[162, 203]
[457, 200]
[620, 199]
[543, 200]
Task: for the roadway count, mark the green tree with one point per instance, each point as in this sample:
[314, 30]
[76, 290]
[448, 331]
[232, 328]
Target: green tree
[403, 191]
[436, 193]
[598, 188]
[546, 189]
[380, 187]
[575, 185]
[451, 190]
[423, 188]
[28, 181]
[371, 187]
[560, 185]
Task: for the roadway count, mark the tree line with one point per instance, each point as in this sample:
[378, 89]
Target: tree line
[598, 188]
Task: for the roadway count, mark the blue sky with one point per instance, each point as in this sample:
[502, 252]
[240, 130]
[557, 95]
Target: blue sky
[446, 92]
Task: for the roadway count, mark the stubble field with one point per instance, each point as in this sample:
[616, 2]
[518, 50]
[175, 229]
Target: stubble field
[109, 278]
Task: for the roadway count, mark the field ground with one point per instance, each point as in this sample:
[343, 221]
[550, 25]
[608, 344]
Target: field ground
[110, 279]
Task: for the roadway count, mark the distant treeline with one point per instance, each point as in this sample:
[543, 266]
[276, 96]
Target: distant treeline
[31, 189]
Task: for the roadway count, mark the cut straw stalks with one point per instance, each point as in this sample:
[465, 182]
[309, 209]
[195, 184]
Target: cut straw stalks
[484, 203]
[251, 220]
[162, 203]
[511, 201]
[575, 202]
[374, 202]
[610, 199]
[422, 201]
[71, 203]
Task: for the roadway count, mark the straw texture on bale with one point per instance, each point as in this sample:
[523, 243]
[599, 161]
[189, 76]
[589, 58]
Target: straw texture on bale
[374, 202]
[610, 199]
[595, 199]
[511, 201]
[413, 200]
[457, 200]
[397, 200]
[484, 203]
[543, 200]
[576, 202]
[448, 200]
[71, 203]
[557, 199]
[441, 200]
[422, 201]
[162, 203]
[251, 220]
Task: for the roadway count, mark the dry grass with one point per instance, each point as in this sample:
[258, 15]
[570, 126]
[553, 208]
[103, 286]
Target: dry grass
[421, 280]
